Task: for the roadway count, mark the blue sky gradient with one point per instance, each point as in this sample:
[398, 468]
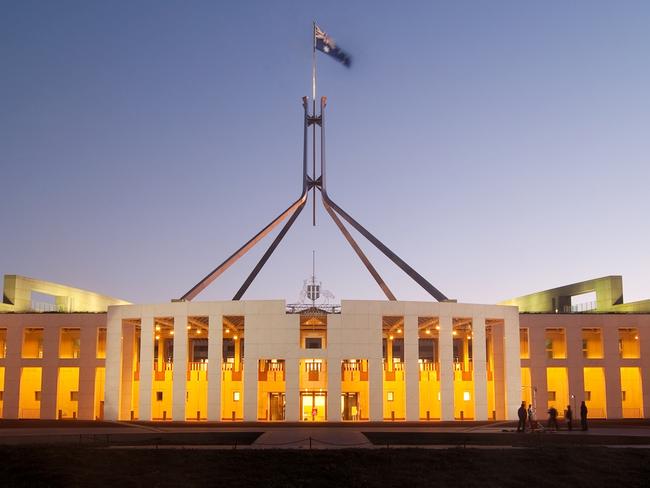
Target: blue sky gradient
[500, 148]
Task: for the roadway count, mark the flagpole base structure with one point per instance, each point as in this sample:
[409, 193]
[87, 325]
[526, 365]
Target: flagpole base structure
[336, 213]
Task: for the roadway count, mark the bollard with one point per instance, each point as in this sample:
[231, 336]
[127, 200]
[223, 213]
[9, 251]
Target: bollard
[60, 414]
[310, 443]
[392, 415]
[164, 414]
[462, 415]
[132, 415]
[198, 415]
[233, 415]
[494, 414]
[74, 415]
[428, 415]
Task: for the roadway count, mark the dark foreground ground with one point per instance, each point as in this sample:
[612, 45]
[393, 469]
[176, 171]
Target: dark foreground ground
[117, 467]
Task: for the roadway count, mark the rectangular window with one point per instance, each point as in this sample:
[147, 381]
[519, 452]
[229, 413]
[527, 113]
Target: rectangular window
[3, 343]
[69, 343]
[236, 396]
[524, 352]
[390, 396]
[101, 343]
[623, 395]
[2, 395]
[313, 343]
[37, 396]
[592, 344]
[628, 343]
[159, 396]
[551, 396]
[32, 343]
[74, 396]
[555, 341]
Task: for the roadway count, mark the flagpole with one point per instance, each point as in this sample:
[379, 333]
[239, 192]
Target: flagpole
[313, 99]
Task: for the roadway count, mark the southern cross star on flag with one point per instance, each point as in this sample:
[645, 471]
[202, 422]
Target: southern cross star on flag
[326, 44]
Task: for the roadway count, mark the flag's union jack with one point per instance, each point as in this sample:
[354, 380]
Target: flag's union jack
[326, 44]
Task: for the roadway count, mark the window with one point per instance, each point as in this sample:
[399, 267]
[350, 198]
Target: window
[587, 396]
[236, 396]
[3, 343]
[313, 342]
[74, 396]
[555, 342]
[466, 396]
[592, 344]
[2, 395]
[159, 396]
[69, 343]
[390, 396]
[628, 343]
[37, 396]
[32, 343]
[101, 343]
[623, 395]
[551, 396]
[524, 352]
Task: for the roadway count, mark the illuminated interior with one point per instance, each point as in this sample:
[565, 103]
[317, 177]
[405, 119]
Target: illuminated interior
[2, 388]
[3, 343]
[631, 392]
[313, 371]
[526, 387]
[628, 343]
[524, 350]
[555, 343]
[429, 364]
[271, 389]
[69, 343]
[557, 385]
[67, 393]
[32, 343]
[232, 379]
[30, 393]
[393, 365]
[463, 369]
[595, 393]
[355, 393]
[592, 343]
[101, 343]
[100, 379]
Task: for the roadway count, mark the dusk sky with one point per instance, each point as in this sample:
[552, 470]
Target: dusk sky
[499, 148]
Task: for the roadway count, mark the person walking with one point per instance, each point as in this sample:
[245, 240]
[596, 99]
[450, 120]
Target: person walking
[552, 418]
[583, 415]
[531, 417]
[521, 413]
[568, 415]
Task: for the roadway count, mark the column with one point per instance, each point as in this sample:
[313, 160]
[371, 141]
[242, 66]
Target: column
[537, 348]
[499, 371]
[146, 367]
[113, 363]
[446, 350]
[575, 369]
[12, 372]
[512, 364]
[128, 349]
[251, 366]
[292, 389]
[180, 368]
[334, 389]
[215, 359]
[49, 372]
[376, 371]
[480, 368]
[412, 373]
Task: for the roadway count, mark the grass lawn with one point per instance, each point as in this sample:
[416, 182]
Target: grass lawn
[553, 467]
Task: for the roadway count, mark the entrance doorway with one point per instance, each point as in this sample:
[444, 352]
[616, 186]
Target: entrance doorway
[313, 406]
[276, 406]
[350, 406]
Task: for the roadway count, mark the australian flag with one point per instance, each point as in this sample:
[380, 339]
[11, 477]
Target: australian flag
[326, 44]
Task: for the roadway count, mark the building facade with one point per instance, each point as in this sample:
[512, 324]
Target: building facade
[362, 361]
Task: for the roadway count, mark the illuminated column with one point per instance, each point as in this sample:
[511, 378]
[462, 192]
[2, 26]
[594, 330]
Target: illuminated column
[215, 353]
[87, 361]
[389, 353]
[180, 368]
[12, 364]
[113, 364]
[480, 369]
[146, 367]
[250, 376]
[446, 349]
[236, 366]
[412, 373]
[128, 349]
[536, 346]
[376, 371]
[575, 369]
[334, 390]
[499, 374]
[50, 372]
[292, 389]
[512, 363]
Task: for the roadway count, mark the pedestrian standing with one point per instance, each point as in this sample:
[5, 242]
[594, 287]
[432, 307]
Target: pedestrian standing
[521, 413]
[569, 417]
[583, 415]
[531, 417]
[552, 418]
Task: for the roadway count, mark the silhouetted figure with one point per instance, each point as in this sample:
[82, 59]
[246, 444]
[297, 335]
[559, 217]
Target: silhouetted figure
[552, 418]
[531, 417]
[583, 416]
[569, 417]
[521, 426]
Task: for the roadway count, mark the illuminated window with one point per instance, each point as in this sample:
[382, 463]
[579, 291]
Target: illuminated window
[390, 396]
[313, 342]
[159, 396]
[69, 343]
[2, 395]
[101, 343]
[235, 396]
[466, 396]
[37, 396]
[32, 343]
[628, 343]
[623, 395]
[524, 352]
[592, 344]
[587, 396]
[551, 396]
[74, 396]
[555, 342]
[3, 343]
